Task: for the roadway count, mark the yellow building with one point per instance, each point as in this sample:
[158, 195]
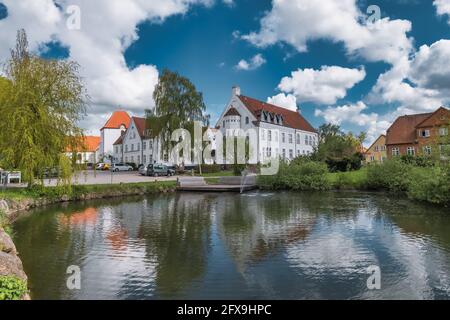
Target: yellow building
[377, 151]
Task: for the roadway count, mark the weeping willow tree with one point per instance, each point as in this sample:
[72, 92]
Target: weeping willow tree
[178, 104]
[41, 101]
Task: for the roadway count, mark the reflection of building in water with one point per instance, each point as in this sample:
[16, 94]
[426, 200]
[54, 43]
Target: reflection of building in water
[253, 228]
[176, 229]
[88, 216]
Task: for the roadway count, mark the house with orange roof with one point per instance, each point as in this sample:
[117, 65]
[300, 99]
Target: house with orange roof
[377, 151]
[280, 132]
[417, 134]
[113, 129]
[86, 151]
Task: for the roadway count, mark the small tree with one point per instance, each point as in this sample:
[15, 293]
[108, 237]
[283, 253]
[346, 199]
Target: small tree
[40, 107]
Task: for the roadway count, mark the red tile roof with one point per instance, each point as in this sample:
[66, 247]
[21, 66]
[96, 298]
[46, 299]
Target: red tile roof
[403, 130]
[429, 122]
[140, 125]
[118, 141]
[291, 119]
[117, 119]
[232, 112]
[88, 144]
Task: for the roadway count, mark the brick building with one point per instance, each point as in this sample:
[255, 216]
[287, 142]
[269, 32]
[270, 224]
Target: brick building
[417, 134]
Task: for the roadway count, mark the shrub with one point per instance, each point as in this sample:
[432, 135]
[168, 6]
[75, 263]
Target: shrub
[392, 175]
[4, 223]
[430, 184]
[299, 175]
[12, 288]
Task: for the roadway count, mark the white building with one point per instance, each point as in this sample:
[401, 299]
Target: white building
[116, 125]
[87, 151]
[135, 147]
[279, 132]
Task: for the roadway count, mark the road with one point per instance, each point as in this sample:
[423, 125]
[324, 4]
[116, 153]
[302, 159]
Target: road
[106, 177]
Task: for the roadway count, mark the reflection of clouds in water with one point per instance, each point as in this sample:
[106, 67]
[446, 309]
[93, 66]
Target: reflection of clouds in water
[331, 254]
[423, 265]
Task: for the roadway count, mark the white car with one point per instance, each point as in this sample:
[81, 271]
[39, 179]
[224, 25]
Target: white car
[120, 167]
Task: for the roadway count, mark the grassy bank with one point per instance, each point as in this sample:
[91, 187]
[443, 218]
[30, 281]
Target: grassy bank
[429, 184]
[25, 199]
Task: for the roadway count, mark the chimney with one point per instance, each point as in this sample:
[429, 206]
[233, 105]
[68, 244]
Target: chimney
[236, 91]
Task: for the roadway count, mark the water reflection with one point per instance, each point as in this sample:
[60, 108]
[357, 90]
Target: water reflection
[257, 245]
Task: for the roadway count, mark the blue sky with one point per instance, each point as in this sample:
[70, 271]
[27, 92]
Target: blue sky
[205, 40]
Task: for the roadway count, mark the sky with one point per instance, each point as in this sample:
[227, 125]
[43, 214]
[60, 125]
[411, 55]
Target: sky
[356, 63]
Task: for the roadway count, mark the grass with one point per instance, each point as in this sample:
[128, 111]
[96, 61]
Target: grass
[348, 180]
[39, 192]
[217, 174]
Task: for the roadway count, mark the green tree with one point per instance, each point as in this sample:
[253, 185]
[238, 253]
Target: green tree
[41, 103]
[177, 105]
[341, 152]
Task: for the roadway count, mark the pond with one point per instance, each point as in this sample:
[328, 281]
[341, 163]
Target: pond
[228, 246]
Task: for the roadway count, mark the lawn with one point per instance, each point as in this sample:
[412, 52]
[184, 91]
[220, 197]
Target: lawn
[348, 180]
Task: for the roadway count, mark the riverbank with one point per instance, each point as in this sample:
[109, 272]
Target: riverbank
[426, 184]
[14, 201]
[13, 280]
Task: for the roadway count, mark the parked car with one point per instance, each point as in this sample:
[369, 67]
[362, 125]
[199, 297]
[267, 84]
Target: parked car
[133, 165]
[99, 166]
[159, 170]
[143, 170]
[116, 167]
[50, 173]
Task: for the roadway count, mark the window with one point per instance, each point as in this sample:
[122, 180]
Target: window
[424, 133]
[427, 150]
[117, 149]
[376, 149]
[151, 145]
[139, 160]
[298, 138]
[269, 135]
[269, 152]
[138, 147]
[166, 157]
[291, 154]
[126, 159]
[276, 136]
[132, 147]
[284, 153]
[144, 145]
[144, 159]
[283, 137]
[443, 132]
[290, 138]
[395, 152]
[410, 151]
[310, 141]
[306, 140]
[224, 123]
[126, 148]
[372, 158]
[247, 120]
[121, 149]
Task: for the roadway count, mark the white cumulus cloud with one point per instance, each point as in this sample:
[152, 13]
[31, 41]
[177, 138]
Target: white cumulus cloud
[324, 86]
[252, 64]
[443, 8]
[355, 114]
[108, 28]
[296, 22]
[287, 101]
